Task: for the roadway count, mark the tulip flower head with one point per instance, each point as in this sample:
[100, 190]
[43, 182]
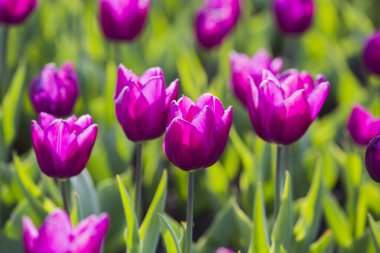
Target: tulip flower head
[197, 132]
[362, 126]
[293, 16]
[122, 20]
[371, 53]
[142, 103]
[214, 21]
[15, 12]
[55, 91]
[57, 234]
[282, 109]
[63, 147]
[242, 66]
[372, 158]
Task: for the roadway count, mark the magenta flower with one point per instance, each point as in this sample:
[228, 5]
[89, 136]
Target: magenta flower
[372, 158]
[63, 147]
[371, 53]
[224, 250]
[55, 90]
[214, 21]
[142, 103]
[122, 20]
[242, 66]
[281, 110]
[362, 126]
[56, 235]
[14, 12]
[197, 133]
[293, 16]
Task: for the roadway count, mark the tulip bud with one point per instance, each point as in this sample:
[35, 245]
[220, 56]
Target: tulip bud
[122, 20]
[293, 16]
[281, 110]
[56, 234]
[242, 66]
[142, 103]
[63, 147]
[372, 158]
[14, 12]
[197, 133]
[224, 250]
[362, 126]
[371, 53]
[55, 90]
[214, 21]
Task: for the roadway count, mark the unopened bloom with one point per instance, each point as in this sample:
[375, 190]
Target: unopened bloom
[362, 126]
[14, 12]
[214, 21]
[242, 66]
[122, 20]
[293, 16]
[281, 110]
[56, 234]
[63, 147]
[55, 91]
[371, 53]
[372, 158]
[197, 132]
[142, 103]
[224, 250]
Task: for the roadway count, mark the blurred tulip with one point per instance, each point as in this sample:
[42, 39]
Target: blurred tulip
[293, 16]
[142, 103]
[14, 12]
[371, 53]
[242, 66]
[224, 250]
[63, 147]
[197, 133]
[57, 234]
[123, 20]
[281, 110]
[372, 158]
[362, 126]
[55, 90]
[214, 21]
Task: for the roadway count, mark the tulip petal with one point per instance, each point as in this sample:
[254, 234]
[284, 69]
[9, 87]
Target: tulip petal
[30, 235]
[185, 104]
[213, 102]
[151, 72]
[317, 98]
[86, 141]
[124, 78]
[82, 123]
[171, 92]
[45, 119]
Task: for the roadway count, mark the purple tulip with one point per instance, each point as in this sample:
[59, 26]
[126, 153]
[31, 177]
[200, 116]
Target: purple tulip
[14, 12]
[142, 103]
[63, 147]
[293, 16]
[281, 110]
[372, 158]
[122, 20]
[242, 66]
[197, 133]
[362, 126]
[224, 250]
[214, 21]
[371, 53]
[56, 234]
[55, 90]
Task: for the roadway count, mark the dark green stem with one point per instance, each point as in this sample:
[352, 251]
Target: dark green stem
[280, 176]
[138, 177]
[189, 212]
[4, 39]
[65, 195]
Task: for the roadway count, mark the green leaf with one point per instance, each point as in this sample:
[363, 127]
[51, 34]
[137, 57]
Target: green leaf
[11, 105]
[172, 244]
[111, 71]
[132, 235]
[375, 232]
[259, 235]
[323, 244]
[281, 234]
[150, 228]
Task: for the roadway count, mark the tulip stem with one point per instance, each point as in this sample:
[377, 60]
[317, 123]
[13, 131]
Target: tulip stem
[189, 212]
[280, 176]
[65, 195]
[138, 182]
[3, 60]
